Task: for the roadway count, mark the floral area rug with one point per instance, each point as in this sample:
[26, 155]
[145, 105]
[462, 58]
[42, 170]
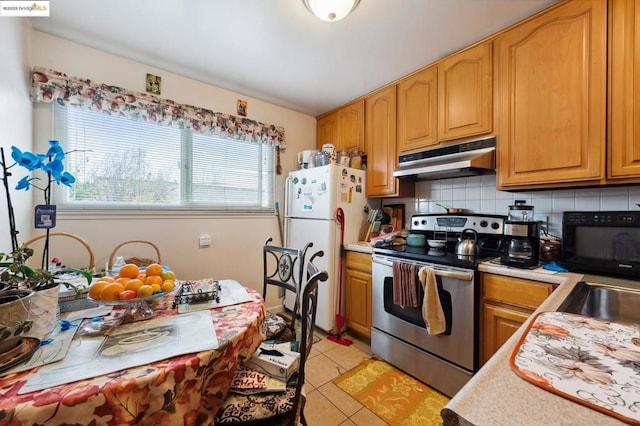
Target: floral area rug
[392, 395]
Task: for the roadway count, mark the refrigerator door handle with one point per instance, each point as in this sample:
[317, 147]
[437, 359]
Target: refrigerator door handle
[287, 201]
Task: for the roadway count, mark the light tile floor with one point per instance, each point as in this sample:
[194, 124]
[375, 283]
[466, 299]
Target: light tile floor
[327, 404]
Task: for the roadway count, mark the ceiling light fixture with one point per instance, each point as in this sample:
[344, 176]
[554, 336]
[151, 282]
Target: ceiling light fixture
[330, 10]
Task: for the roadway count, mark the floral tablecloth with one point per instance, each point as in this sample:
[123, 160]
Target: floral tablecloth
[185, 390]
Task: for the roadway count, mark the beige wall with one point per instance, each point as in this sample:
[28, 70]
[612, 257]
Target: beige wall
[15, 117]
[235, 252]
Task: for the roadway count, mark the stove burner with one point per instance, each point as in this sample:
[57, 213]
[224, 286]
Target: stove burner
[449, 227]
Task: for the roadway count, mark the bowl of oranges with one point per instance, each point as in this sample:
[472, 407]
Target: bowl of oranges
[134, 287]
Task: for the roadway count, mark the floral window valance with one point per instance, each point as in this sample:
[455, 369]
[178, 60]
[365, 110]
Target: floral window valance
[49, 85]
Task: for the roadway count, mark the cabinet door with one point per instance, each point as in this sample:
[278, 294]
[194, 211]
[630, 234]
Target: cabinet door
[418, 110]
[328, 130]
[380, 135]
[550, 95]
[464, 93]
[351, 125]
[624, 80]
[358, 301]
[499, 324]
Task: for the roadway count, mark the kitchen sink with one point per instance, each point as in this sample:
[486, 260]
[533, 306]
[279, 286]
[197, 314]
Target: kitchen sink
[606, 302]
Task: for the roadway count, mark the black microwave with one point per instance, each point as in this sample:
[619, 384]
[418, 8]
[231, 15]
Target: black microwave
[602, 243]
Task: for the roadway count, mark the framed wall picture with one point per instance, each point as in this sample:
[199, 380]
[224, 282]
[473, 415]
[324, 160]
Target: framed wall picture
[153, 84]
[242, 107]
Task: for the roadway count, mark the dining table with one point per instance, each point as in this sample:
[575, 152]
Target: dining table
[187, 389]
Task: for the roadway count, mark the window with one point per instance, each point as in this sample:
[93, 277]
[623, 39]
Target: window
[126, 164]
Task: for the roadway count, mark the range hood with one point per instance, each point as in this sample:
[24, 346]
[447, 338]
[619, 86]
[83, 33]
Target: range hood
[458, 160]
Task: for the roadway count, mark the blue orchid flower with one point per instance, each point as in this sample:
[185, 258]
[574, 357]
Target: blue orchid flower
[50, 163]
[56, 168]
[25, 183]
[55, 150]
[26, 159]
[67, 179]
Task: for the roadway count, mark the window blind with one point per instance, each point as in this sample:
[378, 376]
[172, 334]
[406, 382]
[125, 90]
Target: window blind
[126, 164]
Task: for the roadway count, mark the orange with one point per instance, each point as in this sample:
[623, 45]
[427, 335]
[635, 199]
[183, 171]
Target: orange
[154, 269]
[96, 289]
[168, 275]
[122, 280]
[133, 284]
[156, 288]
[111, 292]
[153, 279]
[142, 276]
[145, 291]
[129, 270]
[168, 285]
[108, 279]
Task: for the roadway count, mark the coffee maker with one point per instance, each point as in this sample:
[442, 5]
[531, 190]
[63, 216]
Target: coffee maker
[520, 246]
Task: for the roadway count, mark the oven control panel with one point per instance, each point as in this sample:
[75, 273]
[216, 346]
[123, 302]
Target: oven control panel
[482, 224]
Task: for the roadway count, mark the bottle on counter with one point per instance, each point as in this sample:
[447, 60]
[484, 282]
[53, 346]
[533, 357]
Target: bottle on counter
[117, 264]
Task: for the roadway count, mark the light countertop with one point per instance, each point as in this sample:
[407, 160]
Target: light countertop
[361, 246]
[497, 396]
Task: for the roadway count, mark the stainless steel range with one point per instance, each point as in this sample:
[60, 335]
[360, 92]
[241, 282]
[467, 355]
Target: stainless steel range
[445, 361]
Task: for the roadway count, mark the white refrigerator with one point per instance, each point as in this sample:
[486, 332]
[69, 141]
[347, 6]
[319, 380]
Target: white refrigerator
[312, 199]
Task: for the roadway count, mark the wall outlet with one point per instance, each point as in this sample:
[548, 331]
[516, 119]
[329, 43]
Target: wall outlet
[204, 241]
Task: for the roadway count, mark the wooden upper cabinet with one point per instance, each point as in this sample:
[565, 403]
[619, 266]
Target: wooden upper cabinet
[550, 76]
[624, 89]
[381, 141]
[380, 137]
[344, 127]
[418, 110]
[465, 93]
[351, 125]
[327, 130]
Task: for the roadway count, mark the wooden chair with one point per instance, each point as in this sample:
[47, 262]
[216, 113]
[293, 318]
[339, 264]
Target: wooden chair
[90, 264]
[140, 261]
[283, 268]
[285, 408]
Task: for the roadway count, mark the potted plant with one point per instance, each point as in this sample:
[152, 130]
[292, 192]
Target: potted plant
[21, 287]
[34, 291]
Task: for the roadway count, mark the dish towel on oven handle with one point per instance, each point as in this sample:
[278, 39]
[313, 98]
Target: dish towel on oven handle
[432, 312]
[405, 285]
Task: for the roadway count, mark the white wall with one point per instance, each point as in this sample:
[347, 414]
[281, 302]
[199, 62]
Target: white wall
[236, 249]
[15, 118]
[478, 194]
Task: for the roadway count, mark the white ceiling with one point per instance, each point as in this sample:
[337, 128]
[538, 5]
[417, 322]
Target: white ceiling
[275, 50]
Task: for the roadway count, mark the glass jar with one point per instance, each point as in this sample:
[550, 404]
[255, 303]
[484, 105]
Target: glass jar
[343, 159]
[321, 159]
[520, 211]
[331, 152]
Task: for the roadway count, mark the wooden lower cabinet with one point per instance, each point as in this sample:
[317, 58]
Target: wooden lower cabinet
[358, 293]
[507, 302]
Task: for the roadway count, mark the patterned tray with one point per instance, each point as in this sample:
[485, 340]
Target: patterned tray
[593, 362]
[197, 292]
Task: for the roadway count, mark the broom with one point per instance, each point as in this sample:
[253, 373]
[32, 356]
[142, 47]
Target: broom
[337, 338]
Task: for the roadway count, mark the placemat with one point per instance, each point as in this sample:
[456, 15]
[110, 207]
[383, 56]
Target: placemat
[129, 345]
[590, 361]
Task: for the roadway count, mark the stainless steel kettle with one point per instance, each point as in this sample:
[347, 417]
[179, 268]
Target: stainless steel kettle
[467, 246]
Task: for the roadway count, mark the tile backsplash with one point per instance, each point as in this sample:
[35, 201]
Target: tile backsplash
[478, 194]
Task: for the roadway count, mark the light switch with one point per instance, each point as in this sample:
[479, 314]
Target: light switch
[205, 240]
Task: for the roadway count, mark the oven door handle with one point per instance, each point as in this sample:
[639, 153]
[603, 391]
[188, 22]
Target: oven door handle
[446, 273]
